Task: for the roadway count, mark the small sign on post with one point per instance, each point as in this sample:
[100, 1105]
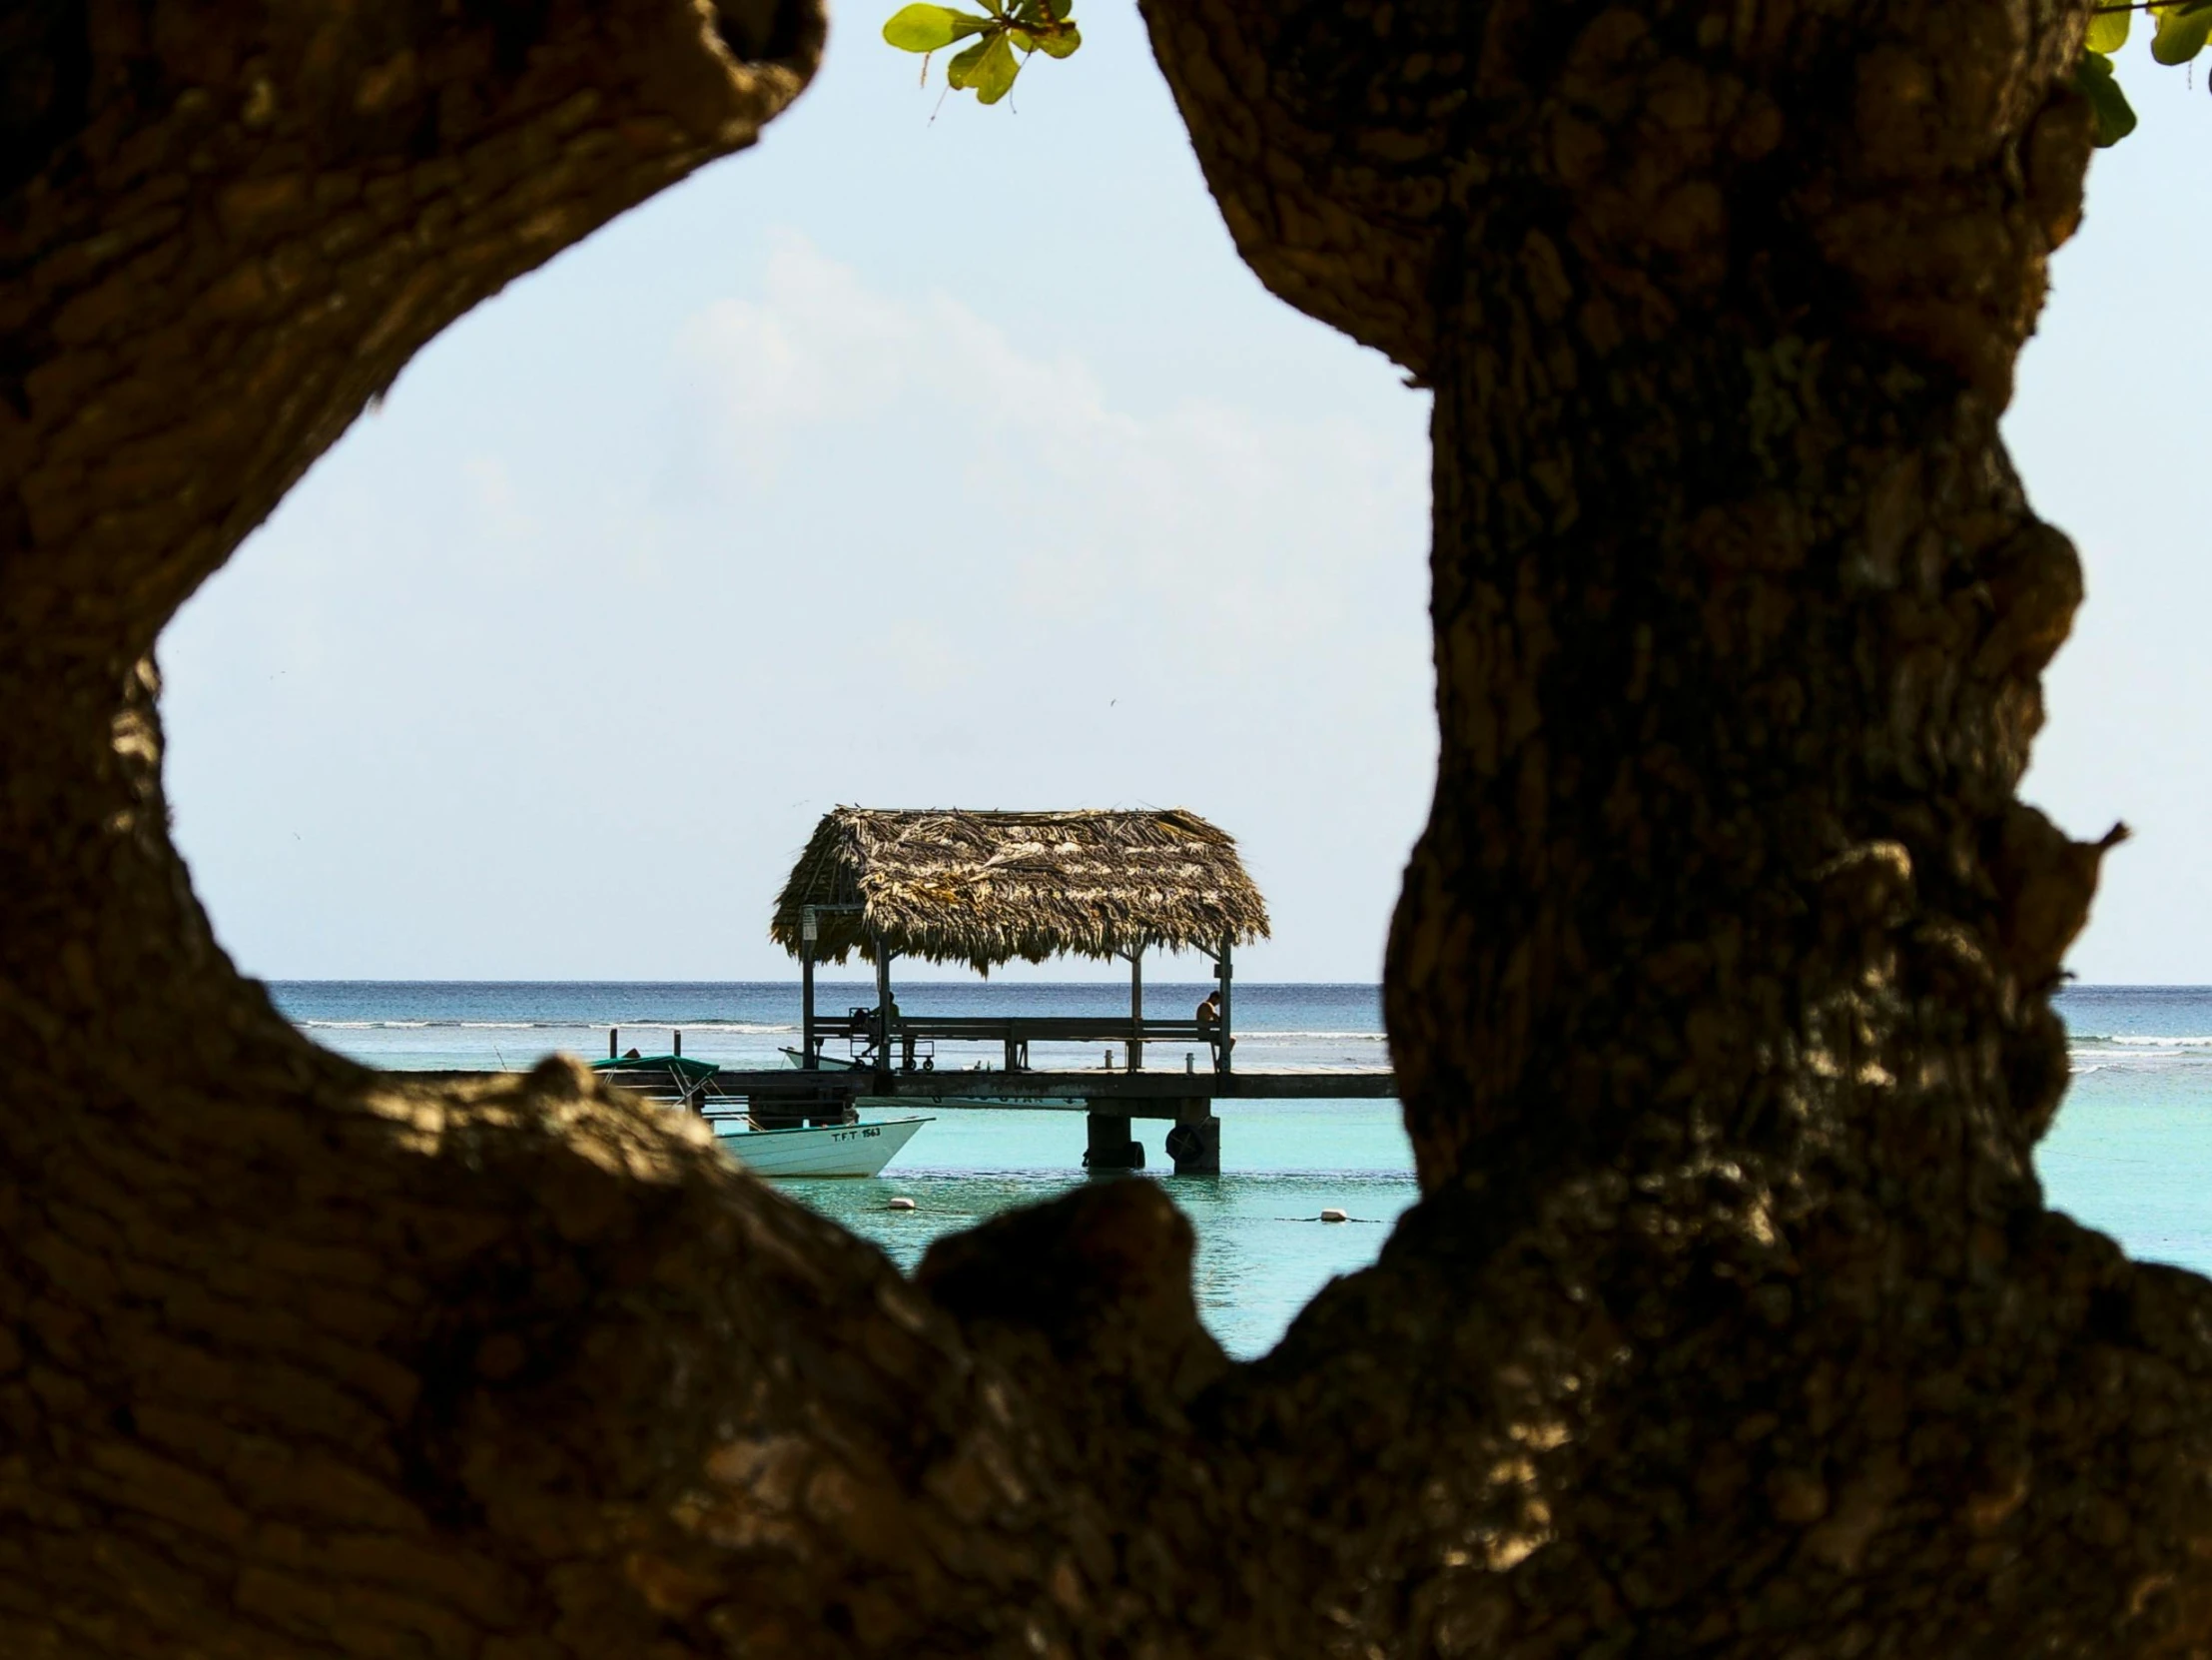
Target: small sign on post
[810, 930]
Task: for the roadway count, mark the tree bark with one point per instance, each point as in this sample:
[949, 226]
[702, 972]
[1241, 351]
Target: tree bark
[1718, 987]
[1730, 1322]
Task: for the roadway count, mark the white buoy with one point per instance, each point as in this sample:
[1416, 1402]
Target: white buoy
[902, 1202]
[1331, 1215]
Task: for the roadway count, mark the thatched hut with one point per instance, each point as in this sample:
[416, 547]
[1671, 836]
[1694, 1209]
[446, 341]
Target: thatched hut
[983, 888]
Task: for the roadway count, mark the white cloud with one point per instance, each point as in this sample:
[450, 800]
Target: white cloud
[1199, 527]
[814, 350]
[630, 612]
[493, 500]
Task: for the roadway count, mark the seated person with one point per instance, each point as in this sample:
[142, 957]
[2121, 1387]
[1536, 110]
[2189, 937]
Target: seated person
[1209, 1024]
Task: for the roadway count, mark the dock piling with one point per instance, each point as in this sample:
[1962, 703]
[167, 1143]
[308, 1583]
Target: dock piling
[1196, 1141]
[1111, 1148]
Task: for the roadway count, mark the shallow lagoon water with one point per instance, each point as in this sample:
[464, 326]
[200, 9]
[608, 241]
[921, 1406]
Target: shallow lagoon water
[2131, 1153]
[1263, 1249]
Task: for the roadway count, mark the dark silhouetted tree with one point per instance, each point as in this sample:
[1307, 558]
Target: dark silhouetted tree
[1730, 1322]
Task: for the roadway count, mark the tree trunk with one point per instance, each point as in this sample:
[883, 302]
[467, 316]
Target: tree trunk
[1730, 1322]
[1718, 988]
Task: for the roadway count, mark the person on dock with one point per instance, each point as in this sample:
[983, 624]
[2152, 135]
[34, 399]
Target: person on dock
[1209, 1024]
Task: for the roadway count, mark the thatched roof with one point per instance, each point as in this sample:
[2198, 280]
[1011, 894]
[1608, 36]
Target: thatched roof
[985, 888]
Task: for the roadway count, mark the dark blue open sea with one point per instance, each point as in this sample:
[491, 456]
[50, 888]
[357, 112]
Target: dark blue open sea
[2132, 1154]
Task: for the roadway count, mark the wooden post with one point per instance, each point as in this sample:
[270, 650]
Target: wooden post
[1137, 1009]
[809, 931]
[679, 1045]
[883, 1006]
[1221, 1064]
[613, 1033]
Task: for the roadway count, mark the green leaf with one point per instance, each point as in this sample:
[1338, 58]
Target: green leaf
[960, 72]
[1044, 18]
[928, 28]
[2108, 30]
[2115, 118]
[988, 66]
[2182, 32]
[995, 75]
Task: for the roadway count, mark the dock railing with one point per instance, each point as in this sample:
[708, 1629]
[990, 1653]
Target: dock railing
[1014, 1032]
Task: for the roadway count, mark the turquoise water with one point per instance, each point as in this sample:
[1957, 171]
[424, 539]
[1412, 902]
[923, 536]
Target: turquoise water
[1263, 1249]
[2132, 1154]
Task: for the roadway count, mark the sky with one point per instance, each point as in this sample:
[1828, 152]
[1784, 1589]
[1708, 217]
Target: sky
[914, 461]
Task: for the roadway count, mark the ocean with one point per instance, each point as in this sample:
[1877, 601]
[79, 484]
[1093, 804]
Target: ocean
[2132, 1154]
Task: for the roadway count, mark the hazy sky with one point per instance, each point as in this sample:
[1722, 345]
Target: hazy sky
[916, 464]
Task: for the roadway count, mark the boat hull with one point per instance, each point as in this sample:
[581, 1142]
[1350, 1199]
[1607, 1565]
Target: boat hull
[820, 1149]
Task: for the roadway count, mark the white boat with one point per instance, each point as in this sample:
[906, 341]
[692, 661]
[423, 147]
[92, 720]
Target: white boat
[817, 1150]
[912, 1084]
[687, 1083]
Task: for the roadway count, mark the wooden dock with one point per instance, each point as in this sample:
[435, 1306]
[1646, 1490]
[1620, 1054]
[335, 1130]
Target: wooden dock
[1109, 1101]
[1140, 1091]
[983, 889]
